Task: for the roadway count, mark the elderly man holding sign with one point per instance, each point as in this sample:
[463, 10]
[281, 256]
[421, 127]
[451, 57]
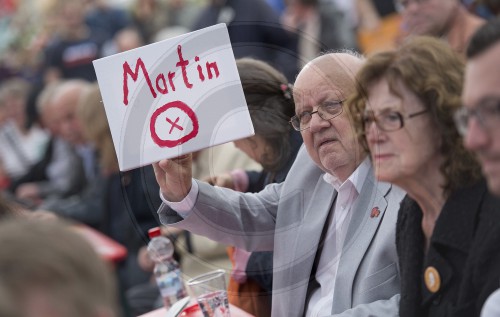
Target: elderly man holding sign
[330, 224]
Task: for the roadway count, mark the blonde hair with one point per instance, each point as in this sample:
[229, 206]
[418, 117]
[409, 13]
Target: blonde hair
[96, 128]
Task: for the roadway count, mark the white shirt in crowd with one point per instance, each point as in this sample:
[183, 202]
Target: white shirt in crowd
[20, 151]
[321, 300]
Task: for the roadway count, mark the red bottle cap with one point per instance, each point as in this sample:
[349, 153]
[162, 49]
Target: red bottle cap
[154, 232]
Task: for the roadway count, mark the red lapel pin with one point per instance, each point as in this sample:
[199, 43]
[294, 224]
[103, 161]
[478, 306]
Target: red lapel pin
[375, 212]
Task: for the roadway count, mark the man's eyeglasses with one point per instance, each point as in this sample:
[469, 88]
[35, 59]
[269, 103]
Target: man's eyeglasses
[326, 111]
[487, 114]
[388, 121]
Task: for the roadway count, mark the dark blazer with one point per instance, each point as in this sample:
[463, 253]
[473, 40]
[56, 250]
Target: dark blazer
[130, 202]
[70, 178]
[462, 245]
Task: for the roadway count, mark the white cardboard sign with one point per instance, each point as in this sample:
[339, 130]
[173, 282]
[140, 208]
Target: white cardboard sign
[173, 97]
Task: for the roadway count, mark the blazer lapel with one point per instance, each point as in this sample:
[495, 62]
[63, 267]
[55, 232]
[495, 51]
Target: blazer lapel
[307, 242]
[360, 233]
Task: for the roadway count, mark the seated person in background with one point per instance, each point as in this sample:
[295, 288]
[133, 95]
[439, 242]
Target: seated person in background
[49, 270]
[21, 145]
[319, 26]
[403, 110]
[125, 201]
[121, 205]
[63, 113]
[70, 52]
[275, 143]
[330, 225]
[479, 122]
[63, 108]
[60, 172]
[275, 146]
[445, 19]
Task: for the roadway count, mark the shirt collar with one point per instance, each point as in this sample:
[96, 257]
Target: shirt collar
[357, 178]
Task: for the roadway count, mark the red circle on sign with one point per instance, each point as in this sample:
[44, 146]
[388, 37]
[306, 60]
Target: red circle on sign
[172, 143]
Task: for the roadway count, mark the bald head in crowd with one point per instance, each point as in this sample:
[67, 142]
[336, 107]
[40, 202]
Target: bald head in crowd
[446, 19]
[330, 77]
[58, 110]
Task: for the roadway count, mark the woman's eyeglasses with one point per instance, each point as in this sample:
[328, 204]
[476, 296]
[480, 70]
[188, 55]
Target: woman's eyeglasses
[388, 121]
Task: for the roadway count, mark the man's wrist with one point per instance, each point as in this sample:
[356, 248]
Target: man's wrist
[184, 206]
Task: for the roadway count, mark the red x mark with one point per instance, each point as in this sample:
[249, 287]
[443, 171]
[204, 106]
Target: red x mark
[190, 116]
[174, 125]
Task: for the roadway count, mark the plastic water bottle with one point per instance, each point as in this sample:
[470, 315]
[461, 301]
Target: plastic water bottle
[167, 271]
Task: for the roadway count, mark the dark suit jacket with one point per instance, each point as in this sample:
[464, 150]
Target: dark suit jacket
[461, 245]
[130, 202]
[69, 179]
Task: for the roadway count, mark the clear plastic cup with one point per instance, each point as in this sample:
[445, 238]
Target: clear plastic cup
[211, 294]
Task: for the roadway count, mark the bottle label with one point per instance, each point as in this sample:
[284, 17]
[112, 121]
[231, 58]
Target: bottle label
[170, 284]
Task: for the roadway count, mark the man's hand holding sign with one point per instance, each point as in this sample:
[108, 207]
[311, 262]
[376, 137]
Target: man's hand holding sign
[171, 98]
[174, 177]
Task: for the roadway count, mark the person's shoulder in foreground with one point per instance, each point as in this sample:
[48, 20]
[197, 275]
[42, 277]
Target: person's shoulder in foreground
[481, 100]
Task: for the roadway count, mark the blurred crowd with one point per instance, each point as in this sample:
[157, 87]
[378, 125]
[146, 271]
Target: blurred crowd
[56, 150]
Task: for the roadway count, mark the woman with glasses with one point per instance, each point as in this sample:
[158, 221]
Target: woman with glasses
[403, 112]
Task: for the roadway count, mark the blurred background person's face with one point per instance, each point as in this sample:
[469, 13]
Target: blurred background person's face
[405, 153]
[73, 14]
[15, 110]
[60, 116]
[428, 17]
[482, 94]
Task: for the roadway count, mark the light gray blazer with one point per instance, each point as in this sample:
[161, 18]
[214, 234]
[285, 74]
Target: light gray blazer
[288, 218]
